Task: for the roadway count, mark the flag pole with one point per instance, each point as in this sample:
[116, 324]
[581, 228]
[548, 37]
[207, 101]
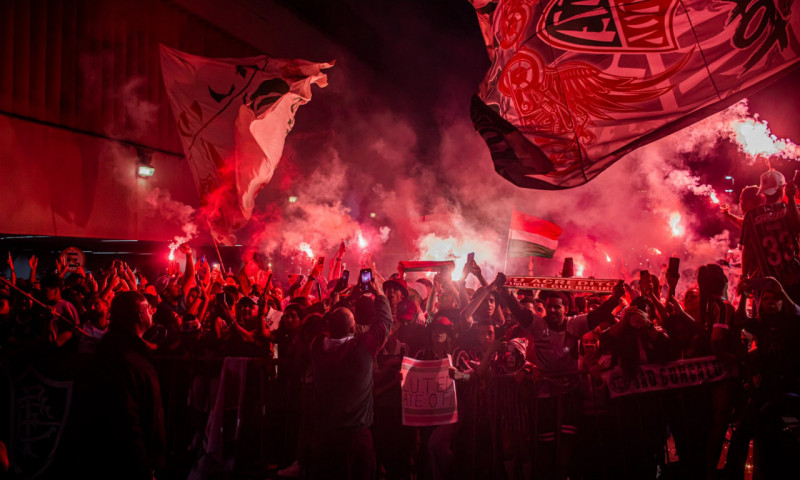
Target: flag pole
[508, 244]
[216, 247]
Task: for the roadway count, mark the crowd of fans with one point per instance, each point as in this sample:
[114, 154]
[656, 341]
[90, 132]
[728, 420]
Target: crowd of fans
[528, 365]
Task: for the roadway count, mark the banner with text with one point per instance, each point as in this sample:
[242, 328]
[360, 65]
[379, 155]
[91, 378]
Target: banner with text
[429, 394]
[677, 374]
[563, 284]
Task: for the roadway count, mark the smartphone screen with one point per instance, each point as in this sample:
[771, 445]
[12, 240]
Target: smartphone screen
[365, 279]
[321, 261]
[346, 276]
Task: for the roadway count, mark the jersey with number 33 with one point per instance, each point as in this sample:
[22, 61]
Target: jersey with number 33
[769, 236]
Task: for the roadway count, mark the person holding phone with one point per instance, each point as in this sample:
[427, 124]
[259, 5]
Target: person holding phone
[342, 365]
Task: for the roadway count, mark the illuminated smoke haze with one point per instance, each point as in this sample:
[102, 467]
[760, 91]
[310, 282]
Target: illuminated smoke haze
[637, 214]
[370, 144]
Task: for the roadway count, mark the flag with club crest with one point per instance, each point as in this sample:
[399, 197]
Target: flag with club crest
[574, 85]
[233, 115]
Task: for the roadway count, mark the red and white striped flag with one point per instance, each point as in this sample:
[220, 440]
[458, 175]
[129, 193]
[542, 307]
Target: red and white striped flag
[532, 237]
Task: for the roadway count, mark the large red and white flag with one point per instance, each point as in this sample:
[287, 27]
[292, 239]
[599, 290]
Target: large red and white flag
[532, 237]
[574, 85]
[233, 115]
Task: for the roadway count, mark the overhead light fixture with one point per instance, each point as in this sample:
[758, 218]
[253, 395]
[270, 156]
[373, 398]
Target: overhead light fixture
[292, 199]
[145, 171]
[144, 167]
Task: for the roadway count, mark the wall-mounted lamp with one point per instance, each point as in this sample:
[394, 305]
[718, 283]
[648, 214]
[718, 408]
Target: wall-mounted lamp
[144, 168]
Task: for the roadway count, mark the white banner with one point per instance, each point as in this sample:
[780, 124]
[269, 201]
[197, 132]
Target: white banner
[429, 394]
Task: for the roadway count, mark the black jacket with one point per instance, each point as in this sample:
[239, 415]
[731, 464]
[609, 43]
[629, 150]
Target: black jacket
[125, 436]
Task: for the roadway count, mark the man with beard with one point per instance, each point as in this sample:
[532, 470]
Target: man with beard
[125, 436]
[556, 337]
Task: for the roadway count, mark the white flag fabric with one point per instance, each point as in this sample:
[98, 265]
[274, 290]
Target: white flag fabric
[233, 115]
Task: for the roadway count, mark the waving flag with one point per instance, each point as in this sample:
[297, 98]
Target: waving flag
[532, 237]
[233, 116]
[575, 85]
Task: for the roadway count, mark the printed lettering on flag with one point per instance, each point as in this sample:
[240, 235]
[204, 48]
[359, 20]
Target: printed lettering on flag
[428, 392]
[677, 374]
[233, 115]
[532, 237]
[563, 284]
[574, 85]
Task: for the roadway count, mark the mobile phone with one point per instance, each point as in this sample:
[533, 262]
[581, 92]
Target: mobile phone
[470, 257]
[674, 266]
[365, 279]
[342, 283]
[321, 261]
[568, 269]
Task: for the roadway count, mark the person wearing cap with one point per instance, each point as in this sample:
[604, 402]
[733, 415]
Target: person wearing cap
[396, 291]
[769, 235]
[417, 293]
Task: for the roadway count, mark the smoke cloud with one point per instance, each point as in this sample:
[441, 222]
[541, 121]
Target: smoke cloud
[648, 207]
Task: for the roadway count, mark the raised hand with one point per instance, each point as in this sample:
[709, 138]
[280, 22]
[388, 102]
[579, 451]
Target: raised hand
[499, 280]
[61, 265]
[91, 283]
[376, 286]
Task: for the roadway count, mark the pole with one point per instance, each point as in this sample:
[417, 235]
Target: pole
[55, 314]
[216, 247]
[508, 245]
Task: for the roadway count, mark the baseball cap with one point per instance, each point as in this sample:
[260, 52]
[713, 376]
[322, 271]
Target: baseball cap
[419, 288]
[397, 283]
[771, 181]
